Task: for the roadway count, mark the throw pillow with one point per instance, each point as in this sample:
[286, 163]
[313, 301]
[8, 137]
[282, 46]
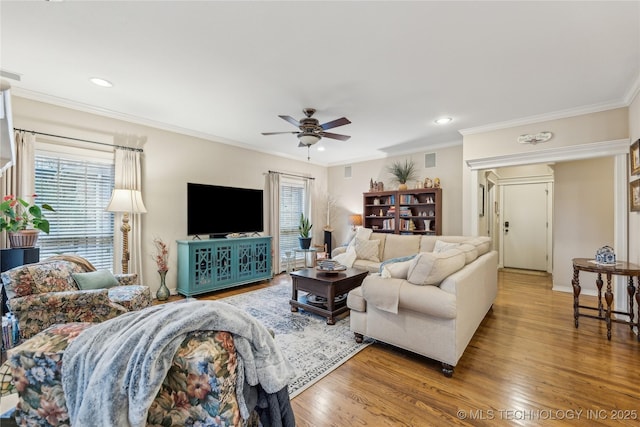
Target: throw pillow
[430, 268]
[54, 276]
[394, 260]
[347, 258]
[442, 246]
[100, 279]
[368, 249]
[396, 270]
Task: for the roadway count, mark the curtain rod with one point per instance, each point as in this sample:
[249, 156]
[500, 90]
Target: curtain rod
[290, 174]
[78, 139]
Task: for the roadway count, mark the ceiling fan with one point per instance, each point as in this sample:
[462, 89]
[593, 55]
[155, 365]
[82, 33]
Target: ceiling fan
[311, 131]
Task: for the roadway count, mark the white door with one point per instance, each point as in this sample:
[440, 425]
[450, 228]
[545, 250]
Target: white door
[524, 226]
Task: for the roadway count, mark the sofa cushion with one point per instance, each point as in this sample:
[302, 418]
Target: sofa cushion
[368, 249]
[429, 268]
[400, 245]
[442, 246]
[100, 279]
[470, 252]
[482, 244]
[54, 276]
[427, 243]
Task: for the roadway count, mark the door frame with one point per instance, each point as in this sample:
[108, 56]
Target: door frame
[546, 179]
[619, 149]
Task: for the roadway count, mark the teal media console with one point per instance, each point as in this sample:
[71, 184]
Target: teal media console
[214, 264]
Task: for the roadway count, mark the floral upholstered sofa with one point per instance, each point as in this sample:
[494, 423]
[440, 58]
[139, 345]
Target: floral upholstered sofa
[47, 292]
[200, 388]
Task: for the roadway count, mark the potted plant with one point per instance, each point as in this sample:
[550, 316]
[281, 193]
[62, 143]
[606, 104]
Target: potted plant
[304, 228]
[23, 221]
[403, 172]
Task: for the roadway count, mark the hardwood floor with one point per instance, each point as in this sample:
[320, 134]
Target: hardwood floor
[526, 365]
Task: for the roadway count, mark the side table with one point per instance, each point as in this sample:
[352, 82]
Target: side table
[306, 253]
[621, 268]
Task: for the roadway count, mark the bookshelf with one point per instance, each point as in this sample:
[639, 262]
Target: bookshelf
[417, 211]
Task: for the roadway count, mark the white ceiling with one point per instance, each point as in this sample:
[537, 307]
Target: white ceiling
[226, 70]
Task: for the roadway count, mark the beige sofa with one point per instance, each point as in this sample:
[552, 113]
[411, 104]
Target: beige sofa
[431, 304]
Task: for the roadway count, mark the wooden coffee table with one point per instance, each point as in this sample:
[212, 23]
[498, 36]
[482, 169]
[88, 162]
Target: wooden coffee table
[325, 288]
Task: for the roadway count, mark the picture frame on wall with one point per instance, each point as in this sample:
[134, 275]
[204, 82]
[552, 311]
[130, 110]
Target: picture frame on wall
[634, 157]
[634, 195]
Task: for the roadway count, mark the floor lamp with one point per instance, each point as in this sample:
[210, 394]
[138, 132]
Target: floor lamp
[126, 201]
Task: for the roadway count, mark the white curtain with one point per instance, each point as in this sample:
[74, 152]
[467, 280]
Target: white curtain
[308, 204]
[19, 179]
[128, 175]
[273, 224]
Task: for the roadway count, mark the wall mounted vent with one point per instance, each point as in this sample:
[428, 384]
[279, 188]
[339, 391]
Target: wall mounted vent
[430, 160]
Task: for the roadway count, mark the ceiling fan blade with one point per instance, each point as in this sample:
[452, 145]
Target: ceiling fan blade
[291, 120]
[335, 136]
[277, 133]
[335, 123]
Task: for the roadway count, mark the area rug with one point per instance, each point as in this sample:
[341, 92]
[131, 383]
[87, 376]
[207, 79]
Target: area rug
[313, 347]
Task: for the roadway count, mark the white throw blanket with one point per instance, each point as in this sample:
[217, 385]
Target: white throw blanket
[112, 372]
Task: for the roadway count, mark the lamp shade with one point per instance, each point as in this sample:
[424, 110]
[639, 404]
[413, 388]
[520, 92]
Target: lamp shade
[355, 220]
[124, 200]
[308, 138]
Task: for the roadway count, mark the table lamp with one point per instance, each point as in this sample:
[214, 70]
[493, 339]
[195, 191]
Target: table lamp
[126, 201]
[355, 221]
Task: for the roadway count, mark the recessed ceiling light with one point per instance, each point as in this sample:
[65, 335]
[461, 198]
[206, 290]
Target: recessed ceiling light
[443, 120]
[100, 82]
[321, 148]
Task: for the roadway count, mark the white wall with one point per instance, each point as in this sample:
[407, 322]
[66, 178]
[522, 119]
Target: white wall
[348, 191]
[170, 160]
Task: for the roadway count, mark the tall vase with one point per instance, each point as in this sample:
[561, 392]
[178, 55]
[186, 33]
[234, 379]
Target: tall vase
[163, 291]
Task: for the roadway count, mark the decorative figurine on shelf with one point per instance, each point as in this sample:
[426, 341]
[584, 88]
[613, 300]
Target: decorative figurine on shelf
[436, 182]
[371, 185]
[428, 183]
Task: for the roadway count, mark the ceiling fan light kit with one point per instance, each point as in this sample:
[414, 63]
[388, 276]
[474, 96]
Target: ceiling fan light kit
[310, 129]
[535, 138]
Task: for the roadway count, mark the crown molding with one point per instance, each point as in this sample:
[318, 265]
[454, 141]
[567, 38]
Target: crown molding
[559, 154]
[563, 114]
[633, 91]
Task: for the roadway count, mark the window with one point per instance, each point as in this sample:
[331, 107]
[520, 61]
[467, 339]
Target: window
[292, 202]
[78, 186]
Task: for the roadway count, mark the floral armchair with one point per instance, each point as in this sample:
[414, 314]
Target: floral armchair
[46, 293]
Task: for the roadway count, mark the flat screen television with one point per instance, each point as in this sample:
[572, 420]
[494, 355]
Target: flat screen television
[216, 210]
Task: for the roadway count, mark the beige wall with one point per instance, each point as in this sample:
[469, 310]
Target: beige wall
[170, 160]
[582, 217]
[607, 125]
[348, 191]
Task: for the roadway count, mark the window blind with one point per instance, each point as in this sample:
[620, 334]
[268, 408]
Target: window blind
[79, 190]
[292, 197]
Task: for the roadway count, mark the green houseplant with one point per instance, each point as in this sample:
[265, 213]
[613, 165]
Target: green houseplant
[403, 172]
[304, 228]
[22, 220]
